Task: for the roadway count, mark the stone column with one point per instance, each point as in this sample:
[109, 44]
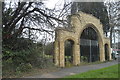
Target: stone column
[62, 59]
[102, 51]
[76, 54]
[56, 53]
[109, 52]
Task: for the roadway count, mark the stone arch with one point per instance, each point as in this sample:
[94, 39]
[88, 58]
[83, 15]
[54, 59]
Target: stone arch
[69, 51]
[100, 39]
[93, 27]
[62, 63]
[69, 38]
[109, 53]
[90, 52]
[78, 25]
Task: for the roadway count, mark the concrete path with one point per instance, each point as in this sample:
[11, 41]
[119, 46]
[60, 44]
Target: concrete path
[74, 70]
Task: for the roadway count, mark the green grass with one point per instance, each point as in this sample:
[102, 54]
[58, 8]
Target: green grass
[108, 72]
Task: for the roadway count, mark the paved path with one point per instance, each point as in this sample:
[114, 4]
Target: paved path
[74, 70]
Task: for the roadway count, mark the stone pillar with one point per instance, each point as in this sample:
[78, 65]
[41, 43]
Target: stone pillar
[62, 59]
[102, 51]
[109, 52]
[76, 54]
[56, 53]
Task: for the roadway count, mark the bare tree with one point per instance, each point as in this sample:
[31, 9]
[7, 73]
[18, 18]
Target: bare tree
[30, 16]
[114, 18]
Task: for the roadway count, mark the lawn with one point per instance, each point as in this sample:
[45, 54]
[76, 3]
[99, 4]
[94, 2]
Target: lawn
[108, 72]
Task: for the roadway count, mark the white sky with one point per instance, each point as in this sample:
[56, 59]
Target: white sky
[51, 3]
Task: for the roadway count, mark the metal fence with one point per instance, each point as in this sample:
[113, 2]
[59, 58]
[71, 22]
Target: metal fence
[89, 49]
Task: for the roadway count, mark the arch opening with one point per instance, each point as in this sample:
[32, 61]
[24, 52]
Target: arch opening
[89, 45]
[69, 46]
[106, 52]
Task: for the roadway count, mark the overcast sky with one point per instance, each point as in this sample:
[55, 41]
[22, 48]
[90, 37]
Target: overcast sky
[51, 3]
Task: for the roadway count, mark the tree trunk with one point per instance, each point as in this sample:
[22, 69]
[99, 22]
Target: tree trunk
[111, 33]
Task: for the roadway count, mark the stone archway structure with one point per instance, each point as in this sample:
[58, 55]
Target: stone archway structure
[79, 22]
[107, 42]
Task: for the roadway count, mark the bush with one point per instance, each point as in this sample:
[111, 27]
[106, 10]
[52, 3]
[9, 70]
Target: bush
[49, 49]
[24, 67]
[24, 59]
[83, 59]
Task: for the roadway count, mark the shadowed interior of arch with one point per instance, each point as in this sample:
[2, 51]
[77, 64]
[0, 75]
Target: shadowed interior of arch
[89, 47]
[69, 52]
[106, 52]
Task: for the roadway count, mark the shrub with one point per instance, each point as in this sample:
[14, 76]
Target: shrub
[24, 67]
[24, 59]
[83, 59]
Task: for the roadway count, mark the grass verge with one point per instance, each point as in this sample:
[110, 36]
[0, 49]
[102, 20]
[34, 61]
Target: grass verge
[108, 72]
